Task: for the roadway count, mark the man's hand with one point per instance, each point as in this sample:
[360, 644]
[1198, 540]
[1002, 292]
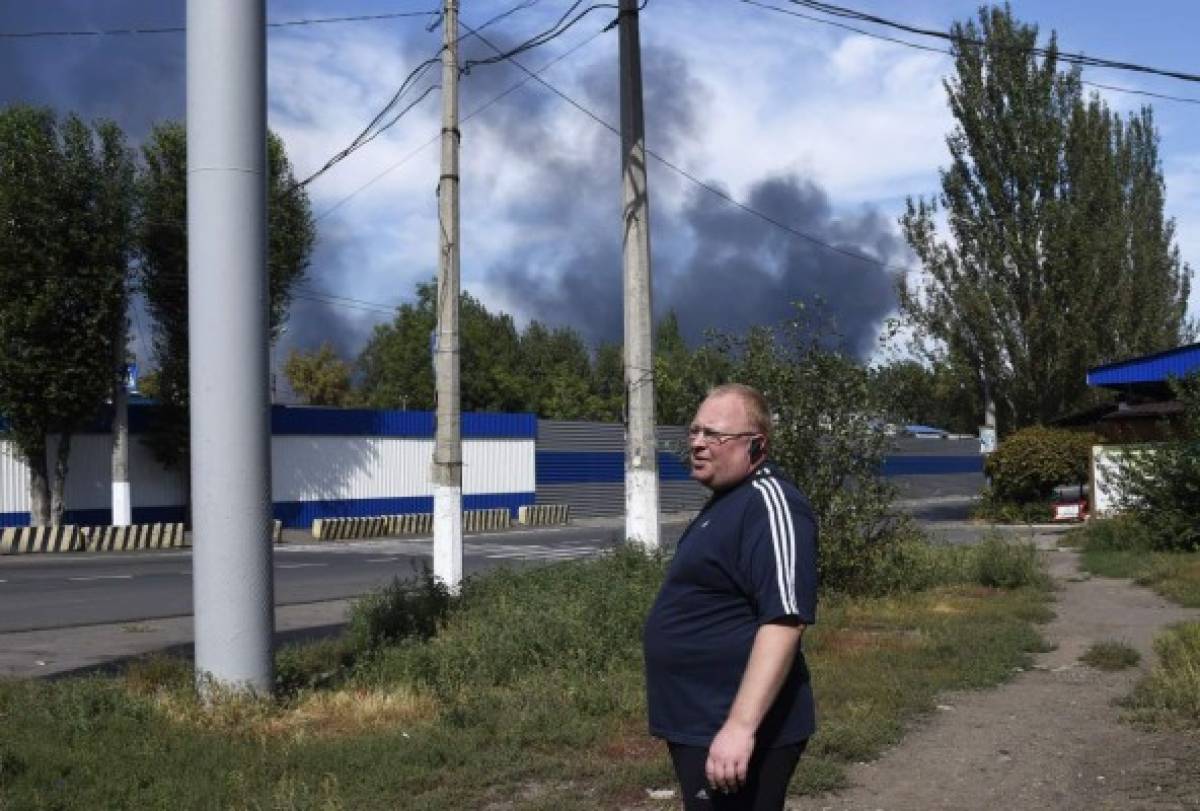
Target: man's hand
[729, 757]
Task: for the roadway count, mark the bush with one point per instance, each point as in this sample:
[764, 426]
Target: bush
[992, 508]
[1030, 463]
[999, 564]
[826, 438]
[397, 612]
[1162, 489]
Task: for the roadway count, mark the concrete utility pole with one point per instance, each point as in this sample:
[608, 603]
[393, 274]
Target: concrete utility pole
[641, 457]
[447, 452]
[227, 334]
[122, 502]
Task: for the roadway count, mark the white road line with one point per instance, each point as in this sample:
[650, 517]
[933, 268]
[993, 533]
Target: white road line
[102, 577]
[298, 565]
[381, 560]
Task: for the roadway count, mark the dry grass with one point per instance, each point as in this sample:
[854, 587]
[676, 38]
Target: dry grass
[332, 714]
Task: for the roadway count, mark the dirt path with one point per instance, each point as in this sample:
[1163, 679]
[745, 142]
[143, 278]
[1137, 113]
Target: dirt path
[1051, 738]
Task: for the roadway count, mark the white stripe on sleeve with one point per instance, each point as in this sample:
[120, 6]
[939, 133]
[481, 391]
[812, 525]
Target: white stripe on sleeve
[779, 543]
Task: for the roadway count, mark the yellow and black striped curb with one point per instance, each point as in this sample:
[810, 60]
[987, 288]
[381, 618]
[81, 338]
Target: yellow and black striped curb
[339, 529]
[23, 540]
[134, 536]
[540, 515]
[481, 520]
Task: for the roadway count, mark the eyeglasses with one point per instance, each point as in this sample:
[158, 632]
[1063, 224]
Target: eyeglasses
[712, 437]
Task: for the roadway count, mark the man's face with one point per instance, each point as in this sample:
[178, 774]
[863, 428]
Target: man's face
[716, 464]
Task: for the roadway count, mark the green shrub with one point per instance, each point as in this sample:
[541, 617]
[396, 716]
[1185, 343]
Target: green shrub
[999, 564]
[1030, 463]
[1170, 694]
[1163, 488]
[992, 508]
[1124, 533]
[397, 612]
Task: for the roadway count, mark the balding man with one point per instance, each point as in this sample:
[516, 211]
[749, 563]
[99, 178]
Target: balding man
[727, 685]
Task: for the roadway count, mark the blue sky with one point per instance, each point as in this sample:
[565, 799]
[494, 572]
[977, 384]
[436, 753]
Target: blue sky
[824, 129]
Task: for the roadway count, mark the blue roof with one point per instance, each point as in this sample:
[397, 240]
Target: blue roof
[1156, 368]
[923, 429]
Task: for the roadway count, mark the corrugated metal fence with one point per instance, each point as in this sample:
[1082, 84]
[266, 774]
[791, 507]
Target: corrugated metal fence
[583, 464]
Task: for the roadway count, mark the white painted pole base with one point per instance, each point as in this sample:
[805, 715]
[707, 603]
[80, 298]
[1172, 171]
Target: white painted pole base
[641, 509]
[447, 536]
[122, 504]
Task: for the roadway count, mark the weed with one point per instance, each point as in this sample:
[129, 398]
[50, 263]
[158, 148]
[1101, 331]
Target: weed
[1001, 564]
[1110, 655]
[1170, 694]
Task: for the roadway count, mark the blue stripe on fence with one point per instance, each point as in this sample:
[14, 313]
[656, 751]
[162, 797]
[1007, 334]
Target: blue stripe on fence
[932, 465]
[575, 467]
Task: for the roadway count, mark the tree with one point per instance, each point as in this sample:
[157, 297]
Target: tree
[909, 391]
[66, 202]
[1060, 256]
[824, 436]
[682, 377]
[162, 273]
[320, 377]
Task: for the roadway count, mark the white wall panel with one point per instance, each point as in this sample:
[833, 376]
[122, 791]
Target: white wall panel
[314, 468]
[14, 480]
[498, 466]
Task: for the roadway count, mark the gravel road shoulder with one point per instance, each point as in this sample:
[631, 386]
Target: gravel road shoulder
[1050, 739]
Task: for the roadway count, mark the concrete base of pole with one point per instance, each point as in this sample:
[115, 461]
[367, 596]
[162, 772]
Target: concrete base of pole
[447, 536]
[122, 505]
[641, 508]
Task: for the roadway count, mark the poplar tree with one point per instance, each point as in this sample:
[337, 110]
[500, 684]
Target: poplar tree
[162, 275]
[1059, 254]
[66, 202]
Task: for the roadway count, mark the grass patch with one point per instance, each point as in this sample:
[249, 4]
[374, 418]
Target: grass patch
[525, 692]
[1119, 548]
[1169, 696]
[999, 511]
[1110, 655]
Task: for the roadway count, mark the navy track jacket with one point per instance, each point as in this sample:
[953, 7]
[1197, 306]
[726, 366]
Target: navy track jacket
[748, 558]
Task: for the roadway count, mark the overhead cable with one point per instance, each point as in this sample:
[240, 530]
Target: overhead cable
[179, 29]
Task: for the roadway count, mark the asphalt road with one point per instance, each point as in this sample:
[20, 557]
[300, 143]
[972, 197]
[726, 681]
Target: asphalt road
[39, 592]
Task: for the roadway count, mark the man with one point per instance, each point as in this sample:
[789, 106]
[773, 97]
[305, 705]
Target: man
[726, 682]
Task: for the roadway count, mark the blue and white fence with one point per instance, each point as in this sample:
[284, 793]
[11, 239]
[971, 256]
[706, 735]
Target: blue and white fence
[325, 463]
[346, 463]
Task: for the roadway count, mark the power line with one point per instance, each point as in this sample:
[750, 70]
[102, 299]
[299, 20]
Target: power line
[369, 133]
[1083, 60]
[693, 179]
[179, 29]
[918, 46]
[481, 108]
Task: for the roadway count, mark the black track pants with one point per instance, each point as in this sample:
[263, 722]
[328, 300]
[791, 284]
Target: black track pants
[766, 781]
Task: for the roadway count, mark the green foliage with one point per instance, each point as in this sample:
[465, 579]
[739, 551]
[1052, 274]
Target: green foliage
[398, 612]
[1110, 655]
[320, 377]
[1162, 486]
[163, 267]
[1126, 547]
[682, 377]
[1003, 565]
[579, 618]
[1060, 256]
[66, 203]
[1170, 695]
[996, 510]
[826, 438]
[911, 392]
[1030, 463]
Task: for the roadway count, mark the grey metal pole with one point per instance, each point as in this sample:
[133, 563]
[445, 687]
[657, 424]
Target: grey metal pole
[641, 459]
[227, 335]
[447, 452]
[122, 506]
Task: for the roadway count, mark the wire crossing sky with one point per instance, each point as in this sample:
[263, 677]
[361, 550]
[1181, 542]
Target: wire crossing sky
[788, 137]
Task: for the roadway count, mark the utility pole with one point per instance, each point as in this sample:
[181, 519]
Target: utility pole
[122, 506]
[227, 335]
[447, 452]
[641, 456]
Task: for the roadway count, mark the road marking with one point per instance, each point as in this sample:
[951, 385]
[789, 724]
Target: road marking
[382, 560]
[298, 565]
[102, 577]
